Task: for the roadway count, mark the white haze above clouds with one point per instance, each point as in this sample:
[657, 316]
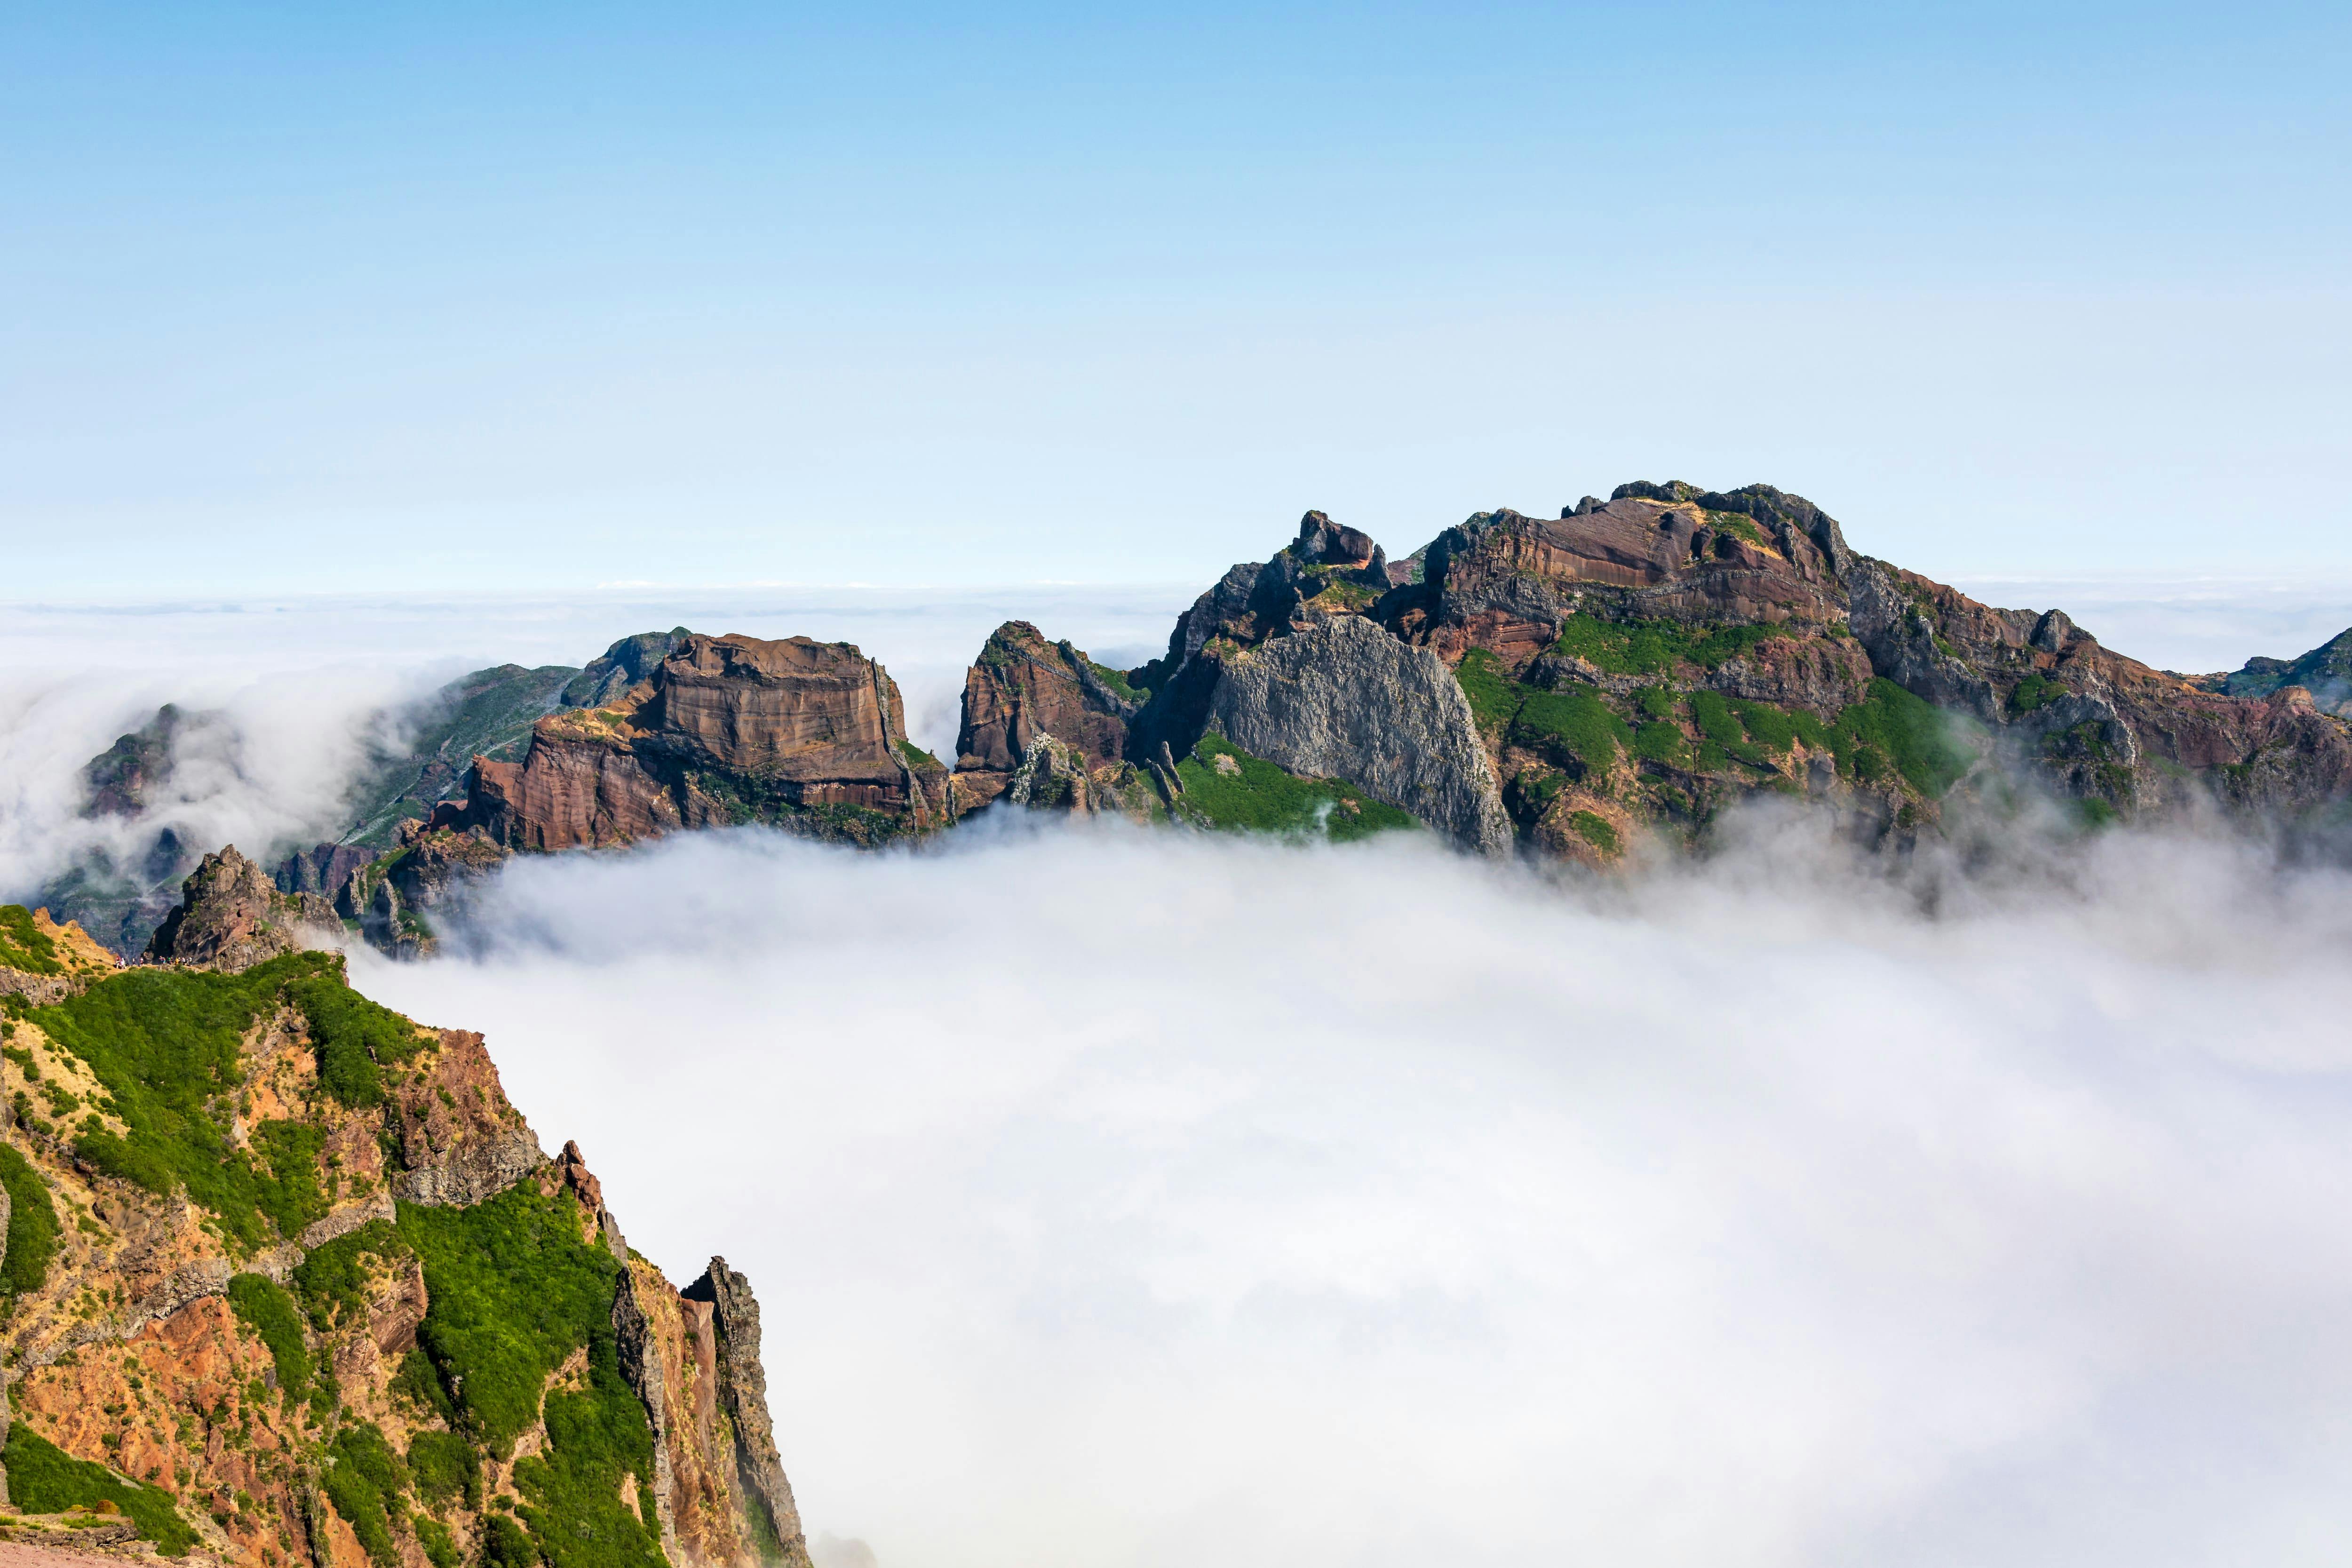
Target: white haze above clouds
[1124, 1200]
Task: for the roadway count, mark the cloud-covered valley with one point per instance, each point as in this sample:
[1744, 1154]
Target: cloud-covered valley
[1121, 1199]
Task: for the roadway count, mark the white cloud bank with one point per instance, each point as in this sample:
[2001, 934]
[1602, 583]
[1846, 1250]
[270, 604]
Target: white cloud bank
[1121, 1200]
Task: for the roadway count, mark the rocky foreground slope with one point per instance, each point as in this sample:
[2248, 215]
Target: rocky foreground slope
[287, 1279]
[1566, 686]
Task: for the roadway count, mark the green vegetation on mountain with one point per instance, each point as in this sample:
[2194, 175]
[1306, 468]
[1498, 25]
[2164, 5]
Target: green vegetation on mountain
[354, 1038]
[1656, 648]
[262, 1305]
[166, 1045]
[32, 1224]
[1247, 793]
[45, 1479]
[366, 1482]
[24, 946]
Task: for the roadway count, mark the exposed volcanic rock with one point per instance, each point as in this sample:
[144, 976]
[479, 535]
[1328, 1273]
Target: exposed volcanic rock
[323, 869]
[335, 1307]
[2326, 672]
[1345, 699]
[1507, 582]
[1023, 687]
[1058, 778]
[231, 918]
[123, 779]
[620, 667]
[2103, 726]
[743, 1393]
[804, 735]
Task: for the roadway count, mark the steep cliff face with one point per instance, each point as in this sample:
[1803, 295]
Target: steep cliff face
[802, 735]
[1023, 687]
[1345, 699]
[288, 1281]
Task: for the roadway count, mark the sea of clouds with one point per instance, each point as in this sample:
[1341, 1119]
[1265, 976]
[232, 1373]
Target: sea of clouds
[1118, 1198]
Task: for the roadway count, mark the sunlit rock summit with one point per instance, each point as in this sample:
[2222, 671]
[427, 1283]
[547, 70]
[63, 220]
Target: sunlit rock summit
[1573, 687]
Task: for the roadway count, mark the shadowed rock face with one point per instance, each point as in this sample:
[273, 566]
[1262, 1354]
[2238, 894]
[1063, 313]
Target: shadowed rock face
[2099, 724]
[743, 1392]
[1345, 699]
[1023, 688]
[231, 918]
[799, 734]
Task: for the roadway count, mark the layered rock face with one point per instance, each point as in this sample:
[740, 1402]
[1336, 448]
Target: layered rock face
[327, 1302]
[1507, 582]
[799, 734]
[1022, 687]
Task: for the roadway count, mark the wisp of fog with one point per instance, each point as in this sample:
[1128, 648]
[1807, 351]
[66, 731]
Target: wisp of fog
[1119, 1198]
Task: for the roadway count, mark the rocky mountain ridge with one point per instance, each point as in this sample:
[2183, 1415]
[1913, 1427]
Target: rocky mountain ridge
[1565, 686]
[286, 1279]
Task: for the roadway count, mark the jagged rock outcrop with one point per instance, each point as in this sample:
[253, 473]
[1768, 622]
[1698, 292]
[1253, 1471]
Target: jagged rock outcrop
[620, 667]
[1058, 778]
[1023, 687]
[233, 917]
[337, 1308]
[743, 1393]
[802, 735]
[1346, 699]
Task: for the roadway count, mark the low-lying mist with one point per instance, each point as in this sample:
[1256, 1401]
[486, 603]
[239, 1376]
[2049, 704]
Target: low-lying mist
[1119, 1199]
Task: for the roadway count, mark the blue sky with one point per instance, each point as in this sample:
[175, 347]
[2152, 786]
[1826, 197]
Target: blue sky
[554, 296]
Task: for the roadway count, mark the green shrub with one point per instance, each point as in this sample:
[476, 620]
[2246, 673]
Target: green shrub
[1595, 830]
[444, 1469]
[1656, 702]
[505, 1544]
[1739, 523]
[264, 1307]
[1574, 727]
[1655, 647]
[24, 946]
[512, 1290]
[332, 1279]
[365, 1481]
[1891, 730]
[418, 1381]
[1494, 696]
[32, 1224]
[288, 1190]
[354, 1037]
[45, 1479]
[596, 1440]
[2035, 692]
[440, 1548]
[1660, 742]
